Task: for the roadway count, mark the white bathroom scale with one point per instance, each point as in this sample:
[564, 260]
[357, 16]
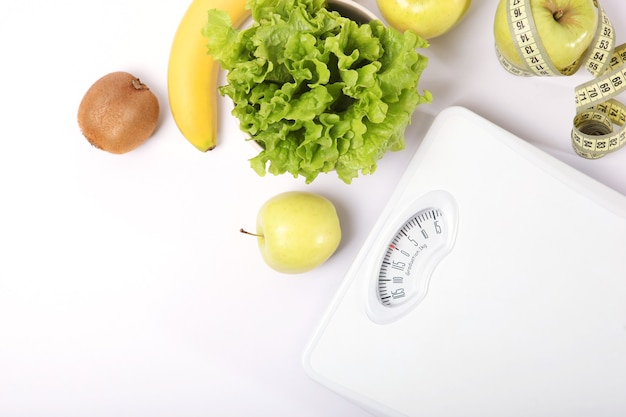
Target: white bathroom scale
[492, 285]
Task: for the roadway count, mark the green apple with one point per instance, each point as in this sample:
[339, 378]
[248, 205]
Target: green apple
[297, 231]
[427, 18]
[565, 28]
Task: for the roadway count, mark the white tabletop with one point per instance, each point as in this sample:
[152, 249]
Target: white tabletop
[126, 288]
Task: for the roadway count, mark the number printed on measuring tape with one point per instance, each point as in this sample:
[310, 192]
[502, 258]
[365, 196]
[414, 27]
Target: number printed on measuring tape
[596, 97]
[597, 112]
[601, 89]
[603, 43]
[593, 134]
[522, 26]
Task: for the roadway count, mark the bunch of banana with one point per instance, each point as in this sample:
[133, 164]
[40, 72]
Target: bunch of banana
[192, 74]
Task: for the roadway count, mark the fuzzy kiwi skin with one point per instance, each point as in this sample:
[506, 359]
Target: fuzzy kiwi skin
[118, 113]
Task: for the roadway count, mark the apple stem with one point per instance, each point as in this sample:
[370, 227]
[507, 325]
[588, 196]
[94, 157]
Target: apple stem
[249, 233]
[558, 15]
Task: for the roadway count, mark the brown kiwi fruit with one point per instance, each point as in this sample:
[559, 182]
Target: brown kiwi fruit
[118, 113]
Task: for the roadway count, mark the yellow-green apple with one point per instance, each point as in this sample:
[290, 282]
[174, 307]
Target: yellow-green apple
[427, 18]
[565, 28]
[297, 231]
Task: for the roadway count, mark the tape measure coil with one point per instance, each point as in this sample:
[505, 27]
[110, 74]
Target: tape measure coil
[597, 112]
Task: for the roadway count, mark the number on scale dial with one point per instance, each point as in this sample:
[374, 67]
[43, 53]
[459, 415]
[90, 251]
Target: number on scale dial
[409, 253]
[403, 257]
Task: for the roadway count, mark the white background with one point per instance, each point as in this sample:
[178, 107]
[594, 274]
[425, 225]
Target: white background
[126, 288]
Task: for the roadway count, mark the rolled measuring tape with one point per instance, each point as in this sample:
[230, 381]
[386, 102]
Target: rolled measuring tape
[597, 112]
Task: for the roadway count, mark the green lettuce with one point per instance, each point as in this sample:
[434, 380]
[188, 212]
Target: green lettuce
[318, 92]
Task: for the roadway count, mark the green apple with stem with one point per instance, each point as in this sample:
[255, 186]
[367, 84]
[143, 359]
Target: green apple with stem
[565, 27]
[427, 18]
[297, 231]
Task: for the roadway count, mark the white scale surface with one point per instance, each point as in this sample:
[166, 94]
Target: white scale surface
[524, 316]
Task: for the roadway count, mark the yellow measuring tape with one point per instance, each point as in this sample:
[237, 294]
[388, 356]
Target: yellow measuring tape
[597, 112]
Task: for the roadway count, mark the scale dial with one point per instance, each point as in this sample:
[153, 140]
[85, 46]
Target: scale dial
[416, 240]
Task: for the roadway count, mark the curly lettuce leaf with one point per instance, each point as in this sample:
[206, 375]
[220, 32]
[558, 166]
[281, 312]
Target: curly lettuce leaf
[319, 92]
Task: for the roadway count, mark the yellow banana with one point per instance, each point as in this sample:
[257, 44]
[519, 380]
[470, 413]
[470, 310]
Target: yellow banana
[192, 74]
